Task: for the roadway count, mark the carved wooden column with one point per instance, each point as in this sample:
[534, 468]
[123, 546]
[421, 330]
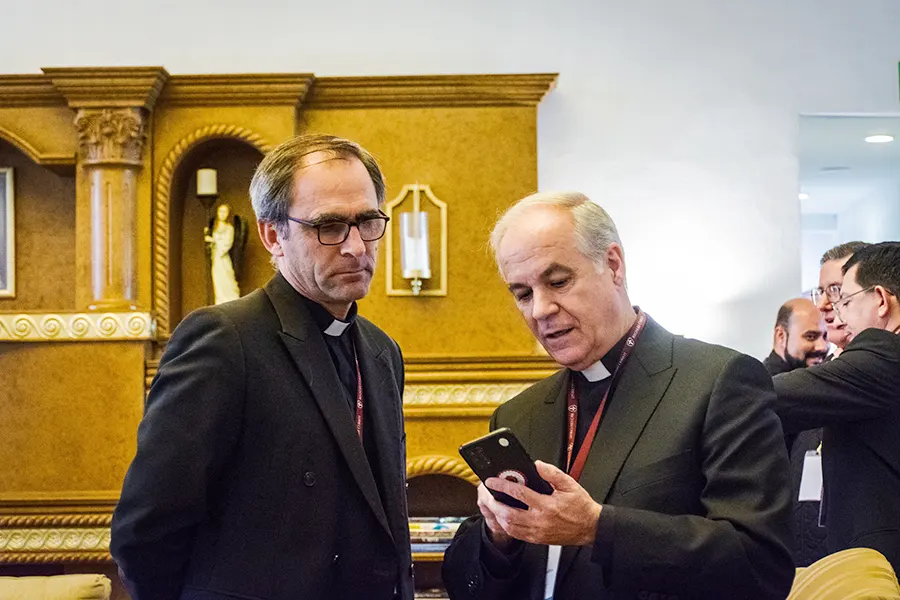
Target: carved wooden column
[110, 142]
[113, 107]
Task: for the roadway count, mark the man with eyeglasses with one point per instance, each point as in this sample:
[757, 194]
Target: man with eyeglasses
[271, 459]
[856, 399]
[829, 291]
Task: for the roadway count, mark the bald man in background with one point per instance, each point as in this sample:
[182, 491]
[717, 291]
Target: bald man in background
[799, 342]
[799, 339]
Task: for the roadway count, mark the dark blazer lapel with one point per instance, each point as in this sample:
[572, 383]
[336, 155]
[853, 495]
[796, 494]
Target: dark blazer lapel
[644, 381]
[384, 422]
[306, 346]
[546, 438]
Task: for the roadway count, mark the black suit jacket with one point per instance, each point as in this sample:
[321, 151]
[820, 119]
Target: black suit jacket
[856, 399]
[690, 465]
[250, 481]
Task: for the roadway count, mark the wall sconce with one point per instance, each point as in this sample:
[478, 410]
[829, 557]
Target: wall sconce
[207, 189]
[415, 250]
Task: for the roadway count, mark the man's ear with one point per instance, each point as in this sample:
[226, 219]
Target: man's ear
[268, 233]
[780, 343]
[615, 261]
[886, 302]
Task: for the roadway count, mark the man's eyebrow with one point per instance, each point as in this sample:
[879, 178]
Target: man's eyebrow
[555, 268]
[332, 216]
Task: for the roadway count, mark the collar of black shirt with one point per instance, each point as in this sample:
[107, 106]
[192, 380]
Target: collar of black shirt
[609, 360]
[325, 319]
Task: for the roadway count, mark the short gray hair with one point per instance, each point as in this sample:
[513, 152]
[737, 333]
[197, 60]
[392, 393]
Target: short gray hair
[272, 186]
[842, 251]
[595, 230]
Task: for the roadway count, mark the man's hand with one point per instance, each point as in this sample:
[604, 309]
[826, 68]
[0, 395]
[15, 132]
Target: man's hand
[567, 517]
[499, 537]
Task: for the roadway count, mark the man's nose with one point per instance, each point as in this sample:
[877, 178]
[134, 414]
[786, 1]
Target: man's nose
[822, 345]
[354, 244]
[543, 306]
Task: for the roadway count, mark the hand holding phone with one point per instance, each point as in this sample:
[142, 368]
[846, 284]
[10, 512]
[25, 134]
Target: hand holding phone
[500, 454]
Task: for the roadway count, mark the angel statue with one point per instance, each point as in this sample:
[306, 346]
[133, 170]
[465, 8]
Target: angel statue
[226, 239]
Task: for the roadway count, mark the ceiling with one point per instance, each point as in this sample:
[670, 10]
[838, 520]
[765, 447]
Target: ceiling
[838, 168]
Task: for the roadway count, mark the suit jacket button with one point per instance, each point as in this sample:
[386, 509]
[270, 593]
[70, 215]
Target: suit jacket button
[309, 479]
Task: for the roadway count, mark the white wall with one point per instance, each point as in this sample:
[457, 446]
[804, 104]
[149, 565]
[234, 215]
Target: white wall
[679, 117]
[875, 219]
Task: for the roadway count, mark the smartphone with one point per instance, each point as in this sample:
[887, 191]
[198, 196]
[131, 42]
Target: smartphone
[500, 454]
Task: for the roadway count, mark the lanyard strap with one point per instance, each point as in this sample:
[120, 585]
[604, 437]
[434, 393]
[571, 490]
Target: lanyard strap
[359, 399]
[574, 469]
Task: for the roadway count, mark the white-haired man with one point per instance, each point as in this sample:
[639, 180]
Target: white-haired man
[677, 481]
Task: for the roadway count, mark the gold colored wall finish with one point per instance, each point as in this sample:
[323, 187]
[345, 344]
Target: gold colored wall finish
[68, 415]
[479, 160]
[45, 236]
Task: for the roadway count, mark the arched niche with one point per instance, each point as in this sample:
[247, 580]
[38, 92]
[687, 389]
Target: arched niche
[45, 231]
[440, 486]
[179, 260]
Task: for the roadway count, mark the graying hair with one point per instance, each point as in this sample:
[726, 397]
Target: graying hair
[842, 251]
[595, 230]
[272, 186]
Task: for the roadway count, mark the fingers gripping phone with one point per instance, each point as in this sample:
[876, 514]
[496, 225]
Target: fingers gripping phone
[500, 454]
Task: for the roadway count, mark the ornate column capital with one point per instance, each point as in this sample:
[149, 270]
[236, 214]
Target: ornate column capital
[111, 136]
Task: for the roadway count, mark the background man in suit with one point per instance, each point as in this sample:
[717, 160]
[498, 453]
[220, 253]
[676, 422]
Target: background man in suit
[829, 291]
[271, 456]
[799, 337]
[684, 490]
[856, 399]
[799, 341]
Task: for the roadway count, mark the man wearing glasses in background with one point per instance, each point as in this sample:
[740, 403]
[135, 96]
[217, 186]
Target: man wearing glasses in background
[829, 291]
[271, 457]
[856, 399]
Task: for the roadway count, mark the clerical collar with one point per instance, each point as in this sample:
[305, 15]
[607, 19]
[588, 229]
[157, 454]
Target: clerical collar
[326, 321]
[604, 367]
[596, 372]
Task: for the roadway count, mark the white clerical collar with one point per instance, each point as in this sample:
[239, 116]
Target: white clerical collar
[336, 328]
[596, 372]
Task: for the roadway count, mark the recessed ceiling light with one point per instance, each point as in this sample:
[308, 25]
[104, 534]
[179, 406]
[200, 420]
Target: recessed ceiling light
[880, 138]
[803, 196]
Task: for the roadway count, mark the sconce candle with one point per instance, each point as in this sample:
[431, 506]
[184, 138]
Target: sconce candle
[414, 248]
[206, 182]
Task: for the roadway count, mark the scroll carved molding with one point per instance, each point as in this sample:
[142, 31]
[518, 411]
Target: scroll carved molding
[436, 464]
[111, 136]
[94, 539]
[162, 205]
[76, 327]
[492, 394]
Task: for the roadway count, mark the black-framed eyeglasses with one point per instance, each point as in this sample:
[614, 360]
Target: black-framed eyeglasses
[832, 292]
[335, 232]
[843, 302]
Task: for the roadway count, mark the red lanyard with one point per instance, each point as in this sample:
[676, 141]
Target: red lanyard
[359, 399]
[574, 469]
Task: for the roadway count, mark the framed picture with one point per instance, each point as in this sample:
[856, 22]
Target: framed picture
[7, 234]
